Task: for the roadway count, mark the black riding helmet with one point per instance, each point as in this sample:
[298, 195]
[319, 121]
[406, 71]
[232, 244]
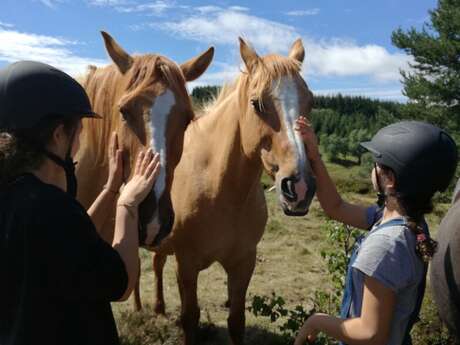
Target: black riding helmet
[32, 91]
[422, 156]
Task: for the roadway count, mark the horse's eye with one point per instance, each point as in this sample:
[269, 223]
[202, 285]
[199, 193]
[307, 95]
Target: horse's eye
[125, 111]
[256, 105]
[124, 114]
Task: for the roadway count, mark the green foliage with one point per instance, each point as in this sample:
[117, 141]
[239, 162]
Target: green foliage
[355, 104]
[274, 308]
[341, 238]
[433, 85]
[203, 94]
[342, 123]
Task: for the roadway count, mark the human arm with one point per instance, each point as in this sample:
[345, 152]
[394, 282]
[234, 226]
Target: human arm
[372, 327]
[126, 237]
[326, 191]
[105, 201]
[67, 258]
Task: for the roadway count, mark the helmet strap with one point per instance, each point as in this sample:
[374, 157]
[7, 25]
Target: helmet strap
[68, 165]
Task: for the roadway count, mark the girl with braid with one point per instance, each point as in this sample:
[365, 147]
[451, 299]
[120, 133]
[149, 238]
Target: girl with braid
[386, 275]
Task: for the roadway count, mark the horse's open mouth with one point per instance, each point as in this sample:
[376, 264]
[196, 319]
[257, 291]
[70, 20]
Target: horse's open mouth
[301, 209]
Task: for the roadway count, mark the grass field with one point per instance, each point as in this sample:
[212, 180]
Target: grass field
[288, 263]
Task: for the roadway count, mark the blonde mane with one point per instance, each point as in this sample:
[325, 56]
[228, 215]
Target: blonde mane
[106, 86]
[269, 69]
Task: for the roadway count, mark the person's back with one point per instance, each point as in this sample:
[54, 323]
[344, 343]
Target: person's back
[61, 275]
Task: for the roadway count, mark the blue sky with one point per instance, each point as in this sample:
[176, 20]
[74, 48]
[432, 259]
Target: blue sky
[348, 43]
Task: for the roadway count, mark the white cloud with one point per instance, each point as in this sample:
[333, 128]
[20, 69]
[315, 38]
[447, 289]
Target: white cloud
[218, 26]
[343, 58]
[52, 50]
[51, 3]
[153, 8]
[208, 9]
[301, 13]
[225, 73]
[335, 57]
[4, 25]
[108, 2]
[239, 8]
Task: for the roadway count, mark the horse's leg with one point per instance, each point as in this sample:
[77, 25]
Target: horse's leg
[239, 275]
[190, 312]
[159, 261]
[137, 290]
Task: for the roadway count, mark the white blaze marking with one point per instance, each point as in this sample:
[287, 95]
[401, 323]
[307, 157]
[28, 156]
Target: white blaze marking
[158, 120]
[152, 229]
[286, 92]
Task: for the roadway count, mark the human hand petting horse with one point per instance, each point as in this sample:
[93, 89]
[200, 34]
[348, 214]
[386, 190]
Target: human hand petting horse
[304, 127]
[146, 171]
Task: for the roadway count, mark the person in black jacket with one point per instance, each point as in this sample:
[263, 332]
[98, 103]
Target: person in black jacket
[57, 276]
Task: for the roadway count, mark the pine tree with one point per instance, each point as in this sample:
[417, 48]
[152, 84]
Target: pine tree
[433, 85]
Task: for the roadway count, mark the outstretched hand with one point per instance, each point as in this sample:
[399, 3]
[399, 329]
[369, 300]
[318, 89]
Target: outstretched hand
[307, 334]
[304, 127]
[146, 170]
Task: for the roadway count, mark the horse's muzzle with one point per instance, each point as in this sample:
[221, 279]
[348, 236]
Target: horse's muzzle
[150, 209]
[296, 195]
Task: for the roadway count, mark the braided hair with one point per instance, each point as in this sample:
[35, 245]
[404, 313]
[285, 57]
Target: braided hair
[414, 208]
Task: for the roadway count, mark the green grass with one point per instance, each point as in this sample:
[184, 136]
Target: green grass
[288, 263]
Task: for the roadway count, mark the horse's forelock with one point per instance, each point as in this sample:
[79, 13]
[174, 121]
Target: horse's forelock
[271, 68]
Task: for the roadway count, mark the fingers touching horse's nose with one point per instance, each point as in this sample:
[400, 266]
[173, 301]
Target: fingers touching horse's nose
[293, 188]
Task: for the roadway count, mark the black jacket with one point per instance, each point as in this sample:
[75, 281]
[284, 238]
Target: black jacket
[57, 276]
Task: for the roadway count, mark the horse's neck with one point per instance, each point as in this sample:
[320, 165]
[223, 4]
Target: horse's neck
[230, 169]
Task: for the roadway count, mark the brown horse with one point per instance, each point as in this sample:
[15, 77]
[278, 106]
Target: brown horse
[445, 268]
[219, 203]
[143, 98]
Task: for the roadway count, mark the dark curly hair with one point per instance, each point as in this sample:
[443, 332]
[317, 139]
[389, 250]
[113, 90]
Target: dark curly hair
[21, 150]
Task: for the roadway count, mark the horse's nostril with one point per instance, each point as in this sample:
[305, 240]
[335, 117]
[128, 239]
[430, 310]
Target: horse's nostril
[288, 188]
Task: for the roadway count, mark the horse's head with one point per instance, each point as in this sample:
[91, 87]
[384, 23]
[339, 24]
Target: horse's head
[155, 110]
[274, 95]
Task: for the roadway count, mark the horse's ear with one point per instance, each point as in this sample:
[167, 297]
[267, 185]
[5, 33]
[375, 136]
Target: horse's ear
[196, 66]
[297, 51]
[121, 58]
[248, 55]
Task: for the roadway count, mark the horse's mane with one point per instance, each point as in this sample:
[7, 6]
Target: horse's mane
[105, 86]
[269, 69]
